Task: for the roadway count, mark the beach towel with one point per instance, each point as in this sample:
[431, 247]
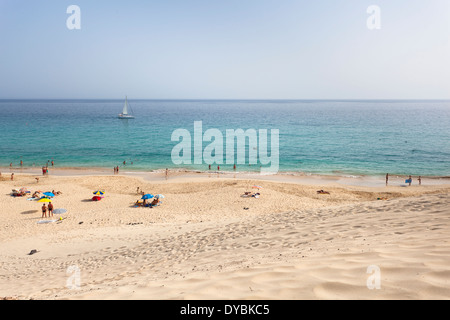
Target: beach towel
[46, 221]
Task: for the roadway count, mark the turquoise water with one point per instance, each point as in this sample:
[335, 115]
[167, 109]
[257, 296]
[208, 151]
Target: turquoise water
[322, 137]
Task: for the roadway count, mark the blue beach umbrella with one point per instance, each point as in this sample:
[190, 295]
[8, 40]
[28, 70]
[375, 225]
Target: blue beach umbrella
[147, 196]
[49, 194]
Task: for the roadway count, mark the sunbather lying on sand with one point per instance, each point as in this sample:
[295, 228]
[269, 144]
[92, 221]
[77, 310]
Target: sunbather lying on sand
[154, 203]
[139, 203]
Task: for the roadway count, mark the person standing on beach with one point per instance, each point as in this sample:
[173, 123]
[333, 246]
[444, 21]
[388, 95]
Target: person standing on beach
[50, 210]
[44, 211]
[387, 179]
[167, 173]
[410, 180]
[12, 176]
[117, 169]
[420, 180]
[53, 163]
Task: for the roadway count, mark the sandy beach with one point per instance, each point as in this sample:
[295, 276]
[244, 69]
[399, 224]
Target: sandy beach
[206, 241]
[218, 150]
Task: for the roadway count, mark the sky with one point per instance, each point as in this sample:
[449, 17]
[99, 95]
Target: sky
[228, 49]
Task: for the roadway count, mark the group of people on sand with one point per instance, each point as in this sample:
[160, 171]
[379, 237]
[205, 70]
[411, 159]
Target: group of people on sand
[408, 180]
[155, 202]
[48, 208]
[37, 194]
[19, 193]
[45, 171]
[152, 204]
[250, 195]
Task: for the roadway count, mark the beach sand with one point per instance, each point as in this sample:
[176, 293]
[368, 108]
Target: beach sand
[201, 243]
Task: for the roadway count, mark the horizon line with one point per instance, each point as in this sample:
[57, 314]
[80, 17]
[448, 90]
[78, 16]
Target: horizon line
[227, 99]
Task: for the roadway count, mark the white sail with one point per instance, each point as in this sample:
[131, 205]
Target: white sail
[124, 114]
[125, 107]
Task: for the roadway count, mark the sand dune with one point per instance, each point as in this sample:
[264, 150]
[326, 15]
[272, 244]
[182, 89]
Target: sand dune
[201, 244]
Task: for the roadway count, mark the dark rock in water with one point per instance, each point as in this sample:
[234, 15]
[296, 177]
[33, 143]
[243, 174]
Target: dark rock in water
[32, 252]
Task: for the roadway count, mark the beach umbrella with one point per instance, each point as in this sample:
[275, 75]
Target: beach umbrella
[147, 196]
[59, 211]
[45, 200]
[49, 194]
[99, 193]
[160, 196]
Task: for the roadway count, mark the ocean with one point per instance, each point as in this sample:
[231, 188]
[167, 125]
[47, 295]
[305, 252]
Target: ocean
[355, 137]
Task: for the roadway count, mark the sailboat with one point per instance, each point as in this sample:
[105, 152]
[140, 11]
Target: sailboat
[125, 114]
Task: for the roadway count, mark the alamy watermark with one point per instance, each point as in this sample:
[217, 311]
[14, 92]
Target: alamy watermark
[374, 20]
[74, 280]
[374, 280]
[221, 148]
[73, 22]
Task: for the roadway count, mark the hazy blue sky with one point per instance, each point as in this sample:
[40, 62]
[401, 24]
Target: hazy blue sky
[228, 49]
